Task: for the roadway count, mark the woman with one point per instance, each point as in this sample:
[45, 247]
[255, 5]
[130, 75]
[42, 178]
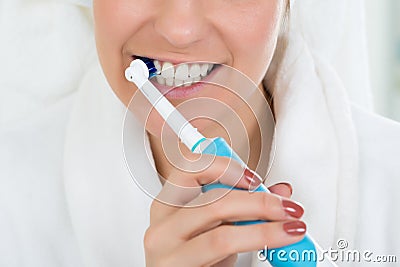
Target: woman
[241, 35]
[323, 142]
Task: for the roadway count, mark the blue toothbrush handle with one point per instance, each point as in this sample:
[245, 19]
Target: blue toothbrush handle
[220, 147]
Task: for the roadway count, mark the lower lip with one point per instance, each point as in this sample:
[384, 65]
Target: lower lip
[183, 92]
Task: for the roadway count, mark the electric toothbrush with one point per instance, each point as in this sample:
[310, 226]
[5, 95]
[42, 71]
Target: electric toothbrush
[139, 72]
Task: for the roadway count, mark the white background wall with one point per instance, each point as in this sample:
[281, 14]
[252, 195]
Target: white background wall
[383, 34]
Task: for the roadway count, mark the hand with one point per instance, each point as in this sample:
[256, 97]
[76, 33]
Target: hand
[203, 235]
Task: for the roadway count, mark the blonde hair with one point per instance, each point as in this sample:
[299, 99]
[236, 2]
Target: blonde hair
[280, 50]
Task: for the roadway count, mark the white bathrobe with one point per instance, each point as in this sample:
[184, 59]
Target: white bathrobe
[67, 197]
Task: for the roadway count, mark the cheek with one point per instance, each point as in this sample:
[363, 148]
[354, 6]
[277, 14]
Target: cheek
[252, 36]
[115, 21]
[108, 30]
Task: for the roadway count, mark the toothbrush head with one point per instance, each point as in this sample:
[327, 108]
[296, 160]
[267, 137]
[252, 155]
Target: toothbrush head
[137, 72]
[150, 65]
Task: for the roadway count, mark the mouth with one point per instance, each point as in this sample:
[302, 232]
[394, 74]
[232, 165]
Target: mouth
[181, 80]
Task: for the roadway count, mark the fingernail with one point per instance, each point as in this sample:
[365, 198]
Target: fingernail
[295, 228]
[292, 208]
[288, 185]
[253, 178]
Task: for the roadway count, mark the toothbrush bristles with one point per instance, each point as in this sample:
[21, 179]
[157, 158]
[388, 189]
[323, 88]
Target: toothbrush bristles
[150, 65]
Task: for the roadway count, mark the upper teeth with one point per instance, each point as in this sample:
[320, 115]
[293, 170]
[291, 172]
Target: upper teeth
[183, 74]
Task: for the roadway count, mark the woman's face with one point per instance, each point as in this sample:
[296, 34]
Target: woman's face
[238, 33]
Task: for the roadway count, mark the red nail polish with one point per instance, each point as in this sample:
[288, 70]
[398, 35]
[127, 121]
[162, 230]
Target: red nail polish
[253, 178]
[292, 208]
[295, 227]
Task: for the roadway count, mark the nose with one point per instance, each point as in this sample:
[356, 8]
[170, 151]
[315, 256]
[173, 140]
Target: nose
[181, 22]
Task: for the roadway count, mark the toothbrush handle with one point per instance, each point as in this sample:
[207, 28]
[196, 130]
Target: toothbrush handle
[219, 147]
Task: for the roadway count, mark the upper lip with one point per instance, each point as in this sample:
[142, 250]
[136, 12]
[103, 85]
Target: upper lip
[176, 60]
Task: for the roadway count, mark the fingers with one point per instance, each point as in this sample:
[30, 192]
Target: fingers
[282, 189]
[233, 207]
[222, 169]
[202, 235]
[227, 240]
[182, 186]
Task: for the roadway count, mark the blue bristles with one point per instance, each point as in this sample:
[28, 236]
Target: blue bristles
[150, 65]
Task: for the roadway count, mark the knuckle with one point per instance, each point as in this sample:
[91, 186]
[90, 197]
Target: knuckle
[221, 240]
[150, 240]
[268, 201]
[181, 177]
[263, 201]
[216, 166]
[264, 234]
